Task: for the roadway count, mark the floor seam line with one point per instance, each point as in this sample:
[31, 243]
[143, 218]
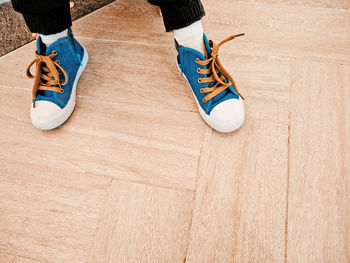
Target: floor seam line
[122, 41]
[195, 191]
[288, 161]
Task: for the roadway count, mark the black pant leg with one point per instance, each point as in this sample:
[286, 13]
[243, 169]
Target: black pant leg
[179, 13]
[44, 16]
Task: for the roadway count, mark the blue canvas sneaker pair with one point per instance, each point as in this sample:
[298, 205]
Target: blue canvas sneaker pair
[219, 102]
[60, 65]
[58, 68]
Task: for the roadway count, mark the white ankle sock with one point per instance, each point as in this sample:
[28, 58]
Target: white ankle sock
[191, 36]
[49, 39]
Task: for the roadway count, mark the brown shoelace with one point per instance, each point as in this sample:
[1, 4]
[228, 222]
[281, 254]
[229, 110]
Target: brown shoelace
[215, 67]
[46, 75]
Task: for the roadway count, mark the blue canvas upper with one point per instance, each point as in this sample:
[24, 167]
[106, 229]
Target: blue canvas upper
[69, 54]
[186, 60]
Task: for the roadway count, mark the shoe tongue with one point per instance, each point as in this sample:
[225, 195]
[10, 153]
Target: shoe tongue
[40, 47]
[42, 50]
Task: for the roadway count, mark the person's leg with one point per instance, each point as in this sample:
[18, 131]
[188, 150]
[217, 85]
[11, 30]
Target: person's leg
[179, 13]
[44, 16]
[183, 17]
[218, 99]
[59, 61]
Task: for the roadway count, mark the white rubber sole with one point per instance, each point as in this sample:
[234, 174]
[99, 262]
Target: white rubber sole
[62, 116]
[224, 127]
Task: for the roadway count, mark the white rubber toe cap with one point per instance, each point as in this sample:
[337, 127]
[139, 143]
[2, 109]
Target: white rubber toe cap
[45, 114]
[227, 116]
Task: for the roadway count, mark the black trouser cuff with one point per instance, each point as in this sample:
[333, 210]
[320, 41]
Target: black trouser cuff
[176, 18]
[51, 22]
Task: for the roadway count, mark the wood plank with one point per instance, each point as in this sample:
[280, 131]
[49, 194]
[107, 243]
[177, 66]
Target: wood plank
[130, 142]
[6, 258]
[240, 203]
[240, 207]
[271, 29]
[13, 67]
[319, 203]
[143, 223]
[125, 73]
[336, 4]
[25, 260]
[281, 30]
[46, 213]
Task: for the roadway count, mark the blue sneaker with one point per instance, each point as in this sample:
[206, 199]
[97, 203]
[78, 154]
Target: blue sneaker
[219, 102]
[57, 71]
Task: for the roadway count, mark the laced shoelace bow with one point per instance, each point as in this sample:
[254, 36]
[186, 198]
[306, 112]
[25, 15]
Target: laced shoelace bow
[46, 75]
[215, 67]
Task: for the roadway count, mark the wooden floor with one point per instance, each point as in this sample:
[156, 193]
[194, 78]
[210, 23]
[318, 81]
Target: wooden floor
[136, 176]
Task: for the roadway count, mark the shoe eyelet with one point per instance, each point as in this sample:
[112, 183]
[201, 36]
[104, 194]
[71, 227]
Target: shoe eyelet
[62, 91]
[199, 80]
[197, 60]
[201, 91]
[204, 101]
[198, 70]
[58, 62]
[54, 52]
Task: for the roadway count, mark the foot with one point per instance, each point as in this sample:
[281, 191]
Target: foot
[57, 70]
[219, 102]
